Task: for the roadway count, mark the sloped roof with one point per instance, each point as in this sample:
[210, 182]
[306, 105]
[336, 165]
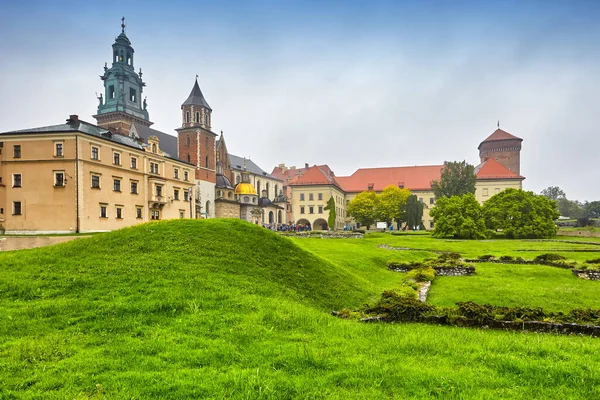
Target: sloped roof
[499, 134]
[168, 143]
[316, 175]
[237, 163]
[196, 97]
[413, 178]
[492, 169]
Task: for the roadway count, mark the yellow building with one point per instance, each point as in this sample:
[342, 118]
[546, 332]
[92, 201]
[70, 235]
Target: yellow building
[78, 177]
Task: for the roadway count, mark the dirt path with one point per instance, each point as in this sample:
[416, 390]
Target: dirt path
[29, 242]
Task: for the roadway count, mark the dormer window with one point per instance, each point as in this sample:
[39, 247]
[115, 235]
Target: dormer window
[154, 147]
[370, 186]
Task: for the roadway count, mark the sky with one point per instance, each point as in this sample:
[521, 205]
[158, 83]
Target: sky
[351, 84]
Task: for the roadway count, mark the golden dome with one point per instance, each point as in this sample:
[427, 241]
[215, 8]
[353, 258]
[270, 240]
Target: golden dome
[244, 188]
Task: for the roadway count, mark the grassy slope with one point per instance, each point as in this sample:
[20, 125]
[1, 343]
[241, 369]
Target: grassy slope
[219, 309]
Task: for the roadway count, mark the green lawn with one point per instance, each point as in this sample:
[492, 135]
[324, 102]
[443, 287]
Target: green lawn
[224, 309]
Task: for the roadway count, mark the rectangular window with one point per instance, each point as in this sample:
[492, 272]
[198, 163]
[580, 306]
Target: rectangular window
[370, 186]
[431, 200]
[154, 214]
[301, 196]
[186, 176]
[58, 149]
[176, 194]
[320, 196]
[16, 208]
[134, 188]
[117, 185]
[59, 179]
[95, 153]
[138, 212]
[496, 190]
[186, 195]
[485, 191]
[311, 210]
[117, 158]
[103, 211]
[176, 173]
[132, 95]
[95, 182]
[311, 197]
[301, 209]
[111, 92]
[119, 213]
[158, 190]
[181, 213]
[153, 168]
[16, 180]
[17, 151]
[133, 163]
[320, 209]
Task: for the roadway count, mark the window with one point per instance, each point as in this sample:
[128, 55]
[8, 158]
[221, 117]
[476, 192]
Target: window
[320, 196]
[370, 186]
[181, 214]
[197, 117]
[138, 212]
[95, 153]
[95, 182]
[186, 196]
[186, 176]
[311, 197]
[187, 140]
[103, 211]
[188, 158]
[206, 161]
[117, 185]
[117, 158]
[111, 92]
[207, 143]
[154, 214]
[176, 194]
[301, 196]
[496, 190]
[187, 117]
[158, 191]
[58, 149]
[485, 191]
[153, 168]
[119, 213]
[16, 180]
[176, 173]
[133, 162]
[421, 199]
[134, 188]
[301, 209]
[59, 179]
[132, 95]
[154, 148]
[16, 208]
[237, 179]
[311, 210]
[17, 151]
[431, 200]
[431, 224]
[320, 209]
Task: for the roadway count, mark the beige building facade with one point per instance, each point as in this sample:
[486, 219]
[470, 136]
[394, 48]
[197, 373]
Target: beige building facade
[78, 177]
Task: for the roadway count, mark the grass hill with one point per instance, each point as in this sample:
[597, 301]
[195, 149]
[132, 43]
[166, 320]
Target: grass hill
[224, 309]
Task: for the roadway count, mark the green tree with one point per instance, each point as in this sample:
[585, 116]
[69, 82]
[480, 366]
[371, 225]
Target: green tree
[569, 208]
[414, 212]
[521, 214]
[592, 209]
[553, 193]
[457, 178]
[459, 217]
[391, 204]
[362, 208]
[331, 208]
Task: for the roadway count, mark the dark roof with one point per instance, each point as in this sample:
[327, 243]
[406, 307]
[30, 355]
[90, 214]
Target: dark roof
[237, 163]
[196, 98]
[223, 182]
[168, 143]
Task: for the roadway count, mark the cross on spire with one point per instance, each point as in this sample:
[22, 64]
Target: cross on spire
[123, 24]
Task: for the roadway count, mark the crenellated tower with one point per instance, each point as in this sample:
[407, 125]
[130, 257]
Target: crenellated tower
[121, 103]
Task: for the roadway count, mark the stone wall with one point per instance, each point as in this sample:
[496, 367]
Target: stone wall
[441, 271]
[592, 275]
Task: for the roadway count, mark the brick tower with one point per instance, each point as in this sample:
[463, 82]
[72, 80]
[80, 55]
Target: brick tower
[503, 147]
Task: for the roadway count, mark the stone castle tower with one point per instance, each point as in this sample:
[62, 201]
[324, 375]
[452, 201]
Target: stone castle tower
[121, 103]
[503, 147]
[195, 137]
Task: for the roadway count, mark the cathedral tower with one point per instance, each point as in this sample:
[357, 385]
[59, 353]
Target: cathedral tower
[121, 103]
[196, 140]
[504, 148]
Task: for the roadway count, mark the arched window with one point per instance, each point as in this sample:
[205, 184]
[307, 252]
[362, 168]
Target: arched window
[187, 140]
[237, 179]
[154, 147]
[187, 117]
[276, 190]
[267, 189]
[207, 208]
[188, 158]
[207, 142]
[206, 161]
[197, 117]
[258, 187]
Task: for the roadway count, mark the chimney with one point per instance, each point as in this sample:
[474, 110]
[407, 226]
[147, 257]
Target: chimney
[293, 168]
[305, 165]
[73, 118]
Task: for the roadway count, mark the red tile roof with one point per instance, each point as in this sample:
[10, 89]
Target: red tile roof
[413, 178]
[285, 173]
[492, 169]
[499, 134]
[316, 175]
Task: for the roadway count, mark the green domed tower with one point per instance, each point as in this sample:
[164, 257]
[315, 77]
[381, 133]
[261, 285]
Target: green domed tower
[121, 103]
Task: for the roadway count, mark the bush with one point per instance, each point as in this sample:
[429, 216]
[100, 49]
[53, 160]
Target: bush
[549, 257]
[593, 261]
[421, 274]
[451, 256]
[506, 258]
[398, 308]
[486, 257]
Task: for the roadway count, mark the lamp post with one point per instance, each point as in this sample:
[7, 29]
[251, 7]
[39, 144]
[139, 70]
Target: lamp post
[190, 199]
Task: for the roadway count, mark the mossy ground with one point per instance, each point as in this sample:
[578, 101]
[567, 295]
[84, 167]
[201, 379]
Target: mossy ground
[224, 309]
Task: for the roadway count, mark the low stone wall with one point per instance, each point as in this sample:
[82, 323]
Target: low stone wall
[442, 271]
[423, 291]
[522, 262]
[340, 235]
[592, 275]
[388, 247]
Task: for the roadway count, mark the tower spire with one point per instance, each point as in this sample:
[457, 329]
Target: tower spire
[123, 25]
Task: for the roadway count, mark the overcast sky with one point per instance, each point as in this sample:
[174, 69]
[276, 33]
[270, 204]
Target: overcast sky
[350, 84]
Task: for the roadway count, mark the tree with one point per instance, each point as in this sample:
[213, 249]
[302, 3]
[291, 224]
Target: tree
[521, 214]
[362, 208]
[459, 217]
[391, 204]
[457, 178]
[592, 209]
[571, 209]
[414, 212]
[331, 208]
[553, 193]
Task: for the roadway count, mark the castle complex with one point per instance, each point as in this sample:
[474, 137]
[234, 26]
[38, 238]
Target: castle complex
[83, 177]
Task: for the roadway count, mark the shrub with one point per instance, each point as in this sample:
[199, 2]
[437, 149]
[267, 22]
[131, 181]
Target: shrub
[593, 261]
[451, 256]
[486, 257]
[421, 274]
[519, 259]
[399, 308]
[506, 258]
[549, 257]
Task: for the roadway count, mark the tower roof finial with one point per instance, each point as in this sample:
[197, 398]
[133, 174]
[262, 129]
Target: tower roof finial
[123, 24]
[498, 124]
